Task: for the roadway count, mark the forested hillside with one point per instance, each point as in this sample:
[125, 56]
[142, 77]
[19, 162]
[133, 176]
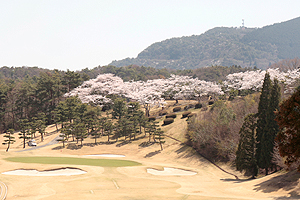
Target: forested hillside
[247, 47]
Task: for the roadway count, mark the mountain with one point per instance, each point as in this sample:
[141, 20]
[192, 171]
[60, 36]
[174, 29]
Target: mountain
[246, 47]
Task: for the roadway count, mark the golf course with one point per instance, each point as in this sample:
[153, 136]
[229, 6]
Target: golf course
[129, 170]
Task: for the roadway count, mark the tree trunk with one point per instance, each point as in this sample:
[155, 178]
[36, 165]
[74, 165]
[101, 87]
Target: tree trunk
[161, 147]
[8, 146]
[24, 141]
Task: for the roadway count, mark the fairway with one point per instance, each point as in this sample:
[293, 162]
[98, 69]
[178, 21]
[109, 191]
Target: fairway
[74, 161]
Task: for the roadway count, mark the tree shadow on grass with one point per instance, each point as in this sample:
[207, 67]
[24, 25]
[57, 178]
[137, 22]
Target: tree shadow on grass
[146, 144]
[286, 182]
[58, 148]
[123, 143]
[151, 154]
[293, 195]
[236, 180]
[73, 147]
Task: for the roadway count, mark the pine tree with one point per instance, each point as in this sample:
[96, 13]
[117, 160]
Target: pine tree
[10, 139]
[245, 155]
[158, 134]
[108, 128]
[24, 132]
[119, 108]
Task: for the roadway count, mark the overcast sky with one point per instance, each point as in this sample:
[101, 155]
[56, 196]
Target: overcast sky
[75, 34]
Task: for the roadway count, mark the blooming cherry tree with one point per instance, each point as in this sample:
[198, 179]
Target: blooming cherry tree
[152, 92]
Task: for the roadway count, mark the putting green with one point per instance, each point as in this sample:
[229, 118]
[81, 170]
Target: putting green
[74, 161]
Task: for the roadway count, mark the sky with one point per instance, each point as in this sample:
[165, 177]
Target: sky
[78, 34]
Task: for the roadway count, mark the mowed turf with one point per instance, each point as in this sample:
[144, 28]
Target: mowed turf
[74, 161]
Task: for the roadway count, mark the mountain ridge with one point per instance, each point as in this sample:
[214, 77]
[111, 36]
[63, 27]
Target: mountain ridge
[246, 47]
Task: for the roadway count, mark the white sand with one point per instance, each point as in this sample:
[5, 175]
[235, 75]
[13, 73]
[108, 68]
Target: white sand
[56, 172]
[106, 155]
[171, 172]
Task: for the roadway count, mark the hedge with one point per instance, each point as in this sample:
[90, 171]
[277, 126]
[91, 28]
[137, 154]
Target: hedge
[185, 114]
[171, 115]
[176, 109]
[198, 105]
[164, 112]
[168, 121]
[151, 118]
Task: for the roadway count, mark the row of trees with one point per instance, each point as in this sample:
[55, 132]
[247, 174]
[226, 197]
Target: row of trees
[258, 132]
[80, 121]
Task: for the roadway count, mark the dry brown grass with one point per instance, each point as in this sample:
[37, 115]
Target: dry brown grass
[134, 182]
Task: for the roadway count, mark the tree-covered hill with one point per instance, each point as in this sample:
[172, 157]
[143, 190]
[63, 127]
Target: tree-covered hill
[224, 46]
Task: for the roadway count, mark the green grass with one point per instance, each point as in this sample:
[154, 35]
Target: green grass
[74, 161]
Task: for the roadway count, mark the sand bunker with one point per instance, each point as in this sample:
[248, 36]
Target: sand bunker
[106, 155]
[171, 172]
[55, 172]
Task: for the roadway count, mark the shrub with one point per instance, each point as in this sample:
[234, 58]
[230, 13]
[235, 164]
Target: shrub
[185, 114]
[198, 105]
[191, 106]
[163, 112]
[168, 121]
[151, 118]
[171, 115]
[105, 108]
[191, 115]
[176, 109]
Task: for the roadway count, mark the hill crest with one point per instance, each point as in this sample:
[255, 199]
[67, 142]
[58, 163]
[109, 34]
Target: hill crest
[246, 47]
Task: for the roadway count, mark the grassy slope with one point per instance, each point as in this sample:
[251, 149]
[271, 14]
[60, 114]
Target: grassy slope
[134, 182]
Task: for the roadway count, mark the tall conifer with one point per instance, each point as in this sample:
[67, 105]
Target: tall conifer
[267, 128]
[262, 118]
[245, 155]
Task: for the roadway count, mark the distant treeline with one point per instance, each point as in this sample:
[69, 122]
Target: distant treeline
[127, 73]
[137, 73]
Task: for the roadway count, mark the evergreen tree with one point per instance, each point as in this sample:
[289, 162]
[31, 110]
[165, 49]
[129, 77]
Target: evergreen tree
[262, 121]
[158, 134]
[10, 139]
[41, 125]
[271, 128]
[65, 132]
[24, 132]
[80, 131]
[119, 108]
[267, 127]
[245, 155]
[108, 128]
